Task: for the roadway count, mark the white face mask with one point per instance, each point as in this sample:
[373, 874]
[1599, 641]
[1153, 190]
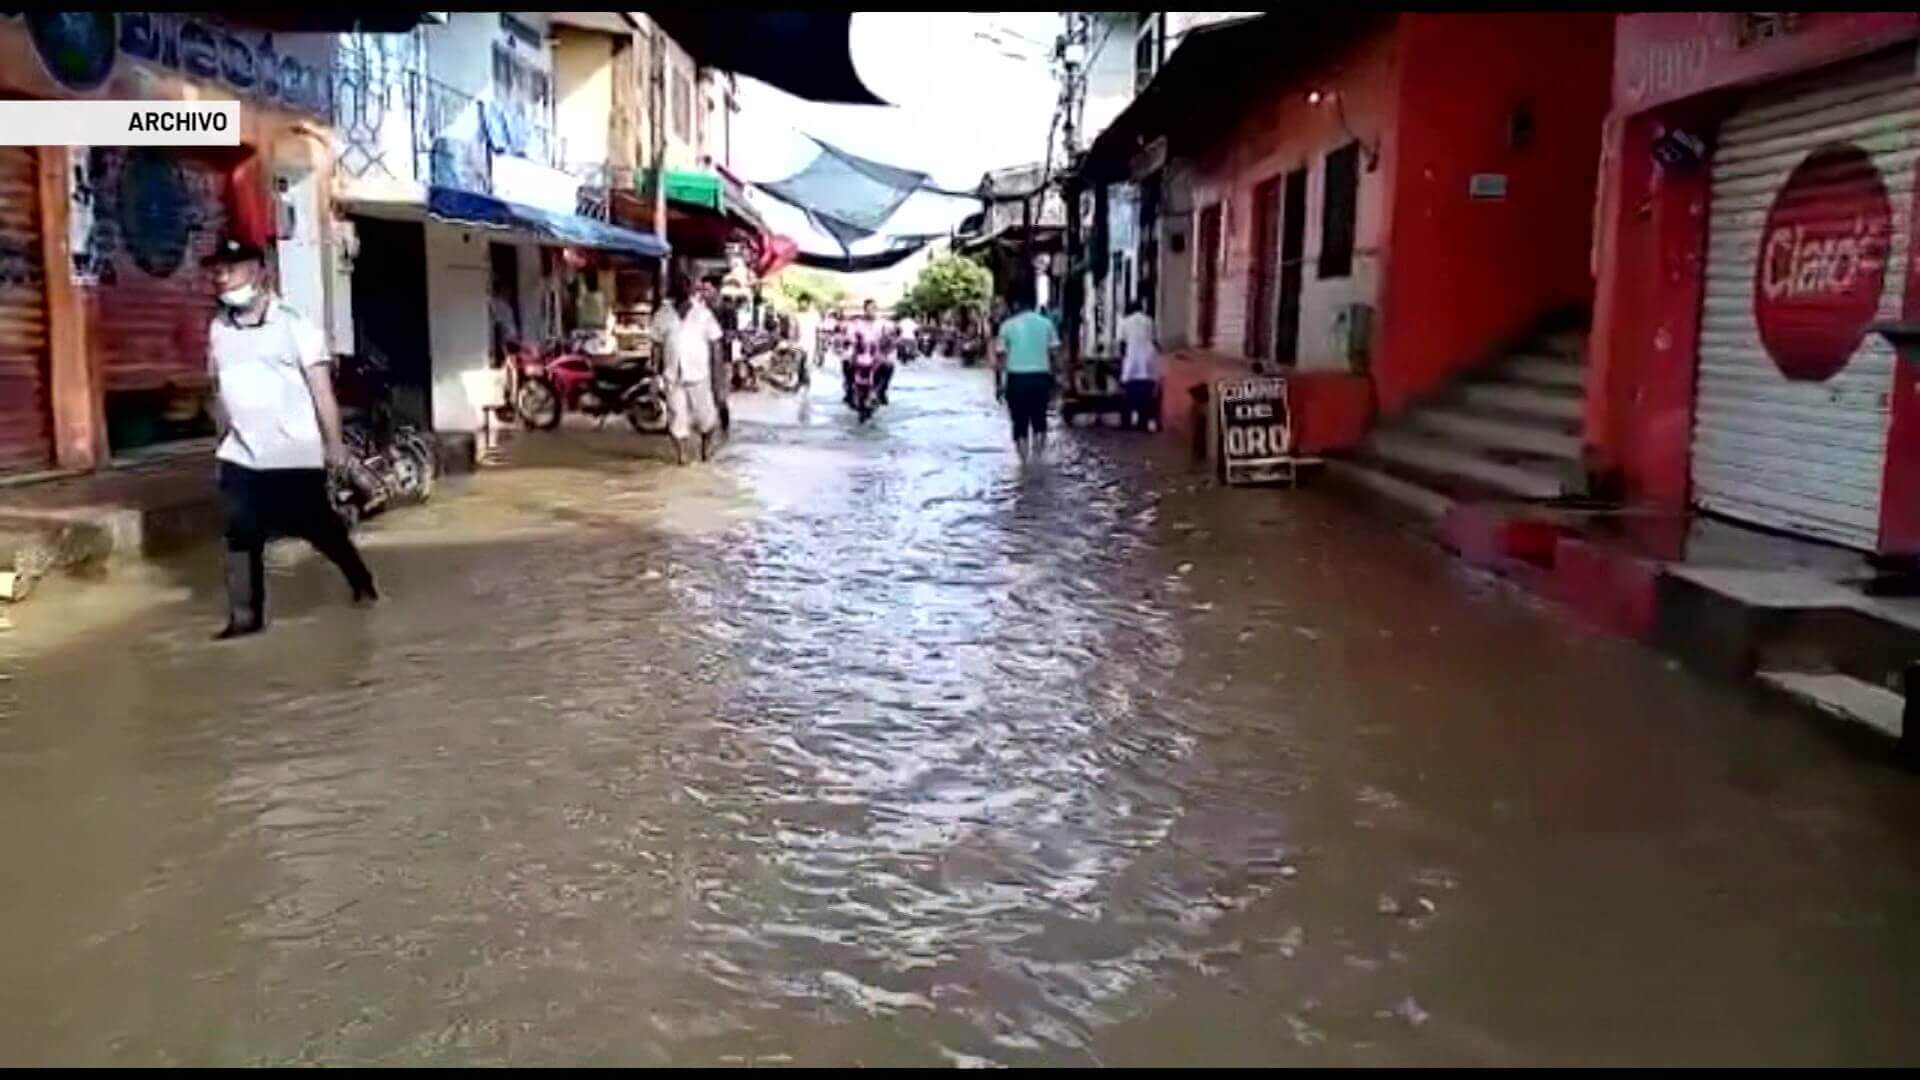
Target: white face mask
[239, 296]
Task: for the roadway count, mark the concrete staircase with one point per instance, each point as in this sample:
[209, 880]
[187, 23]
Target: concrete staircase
[1510, 431]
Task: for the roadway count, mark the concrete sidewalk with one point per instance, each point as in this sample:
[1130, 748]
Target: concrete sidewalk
[132, 510]
[1790, 617]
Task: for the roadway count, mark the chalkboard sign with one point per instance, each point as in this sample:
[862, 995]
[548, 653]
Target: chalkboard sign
[1256, 430]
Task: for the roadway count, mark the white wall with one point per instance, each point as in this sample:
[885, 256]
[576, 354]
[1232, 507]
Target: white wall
[460, 53]
[682, 153]
[301, 252]
[583, 94]
[1109, 73]
[457, 322]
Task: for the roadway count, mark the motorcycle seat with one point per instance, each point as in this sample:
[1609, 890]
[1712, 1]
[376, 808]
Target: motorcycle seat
[618, 365]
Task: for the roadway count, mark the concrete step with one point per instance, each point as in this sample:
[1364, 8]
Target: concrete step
[31, 549]
[1544, 370]
[1527, 401]
[1566, 342]
[1422, 501]
[1498, 432]
[1425, 455]
[1845, 697]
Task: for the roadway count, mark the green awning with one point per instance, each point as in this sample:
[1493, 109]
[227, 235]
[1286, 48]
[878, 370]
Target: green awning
[702, 189]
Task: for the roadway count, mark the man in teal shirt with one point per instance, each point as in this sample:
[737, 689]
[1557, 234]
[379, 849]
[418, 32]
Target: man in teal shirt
[1023, 356]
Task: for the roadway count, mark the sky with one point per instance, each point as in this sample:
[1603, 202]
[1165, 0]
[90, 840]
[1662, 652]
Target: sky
[971, 91]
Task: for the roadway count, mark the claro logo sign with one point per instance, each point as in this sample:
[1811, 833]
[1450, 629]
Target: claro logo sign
[1822, 262]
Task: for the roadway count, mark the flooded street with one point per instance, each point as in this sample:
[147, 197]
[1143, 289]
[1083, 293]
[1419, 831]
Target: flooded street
[858, 746]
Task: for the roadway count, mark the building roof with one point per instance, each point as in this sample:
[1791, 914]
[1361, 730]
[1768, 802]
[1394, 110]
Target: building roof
[1209, 79]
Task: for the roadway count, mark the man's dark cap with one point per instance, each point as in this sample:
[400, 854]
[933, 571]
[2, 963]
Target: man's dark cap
[231, 251]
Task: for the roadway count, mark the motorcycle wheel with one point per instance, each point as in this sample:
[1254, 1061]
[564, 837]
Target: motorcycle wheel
[784, 373]
[647, 415]
[412, 472]
[538, 405]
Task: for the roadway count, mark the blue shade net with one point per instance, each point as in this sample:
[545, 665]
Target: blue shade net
[849, 197]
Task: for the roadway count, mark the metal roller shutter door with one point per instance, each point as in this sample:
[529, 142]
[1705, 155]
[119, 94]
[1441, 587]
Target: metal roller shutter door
[1803, 454]
[156, 304]
[26, 438]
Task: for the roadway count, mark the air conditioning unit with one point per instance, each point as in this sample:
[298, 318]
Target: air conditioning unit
[1351, 338]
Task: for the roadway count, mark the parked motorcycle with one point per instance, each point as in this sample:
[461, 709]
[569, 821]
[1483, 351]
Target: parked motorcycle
[563, 380]
[771, 357]
[388, 462]
[381, 473]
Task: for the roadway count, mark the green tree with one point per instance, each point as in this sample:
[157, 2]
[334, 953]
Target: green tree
[820, 288]
[949, 283]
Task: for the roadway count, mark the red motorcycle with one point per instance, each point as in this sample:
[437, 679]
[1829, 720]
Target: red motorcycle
[559, 380]
[864, 382]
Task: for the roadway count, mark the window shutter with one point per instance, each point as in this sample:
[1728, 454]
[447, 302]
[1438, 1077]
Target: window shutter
[1339, 206]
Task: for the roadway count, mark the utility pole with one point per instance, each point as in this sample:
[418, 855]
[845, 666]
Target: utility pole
[1071, 51]
[1073, 78]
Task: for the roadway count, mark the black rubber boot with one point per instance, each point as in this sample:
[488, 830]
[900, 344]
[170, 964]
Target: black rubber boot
[245, 574]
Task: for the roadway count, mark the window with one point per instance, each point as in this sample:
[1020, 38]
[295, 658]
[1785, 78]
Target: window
[1339, 207]
[1144, 54]
[682, 105]
[520, 86]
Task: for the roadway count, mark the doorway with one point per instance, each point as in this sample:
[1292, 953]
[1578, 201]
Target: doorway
[1266, 248]
[1293, 260]
[390, 312]
[1209, 272]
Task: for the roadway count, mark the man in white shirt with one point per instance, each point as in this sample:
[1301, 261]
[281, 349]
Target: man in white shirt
[807, 327]
[279, 430]
[1139, 368]
[688, 334]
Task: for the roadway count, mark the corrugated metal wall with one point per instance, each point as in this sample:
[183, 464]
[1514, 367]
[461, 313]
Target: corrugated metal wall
[26, 437]
[1803, 454]
[159, 213]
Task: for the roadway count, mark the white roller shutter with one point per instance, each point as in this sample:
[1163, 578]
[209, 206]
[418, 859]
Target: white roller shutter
[1801, 455]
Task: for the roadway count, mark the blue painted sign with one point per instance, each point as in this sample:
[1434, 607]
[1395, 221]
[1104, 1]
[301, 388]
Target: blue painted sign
[80, 51]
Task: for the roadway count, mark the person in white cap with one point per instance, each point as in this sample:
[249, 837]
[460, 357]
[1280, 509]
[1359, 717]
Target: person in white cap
[279, 428]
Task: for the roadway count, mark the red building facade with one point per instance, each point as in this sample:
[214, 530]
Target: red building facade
[1754, 221]
[1390, 199]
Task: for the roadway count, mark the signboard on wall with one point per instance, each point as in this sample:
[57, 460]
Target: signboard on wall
[1822, 262]
[82, 50]
[1256, 429]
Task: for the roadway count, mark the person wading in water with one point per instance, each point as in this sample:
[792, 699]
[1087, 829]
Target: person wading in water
[279, 430]
[1023, 355]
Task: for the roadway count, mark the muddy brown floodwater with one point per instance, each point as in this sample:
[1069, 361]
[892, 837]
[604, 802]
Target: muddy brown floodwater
[859, 747]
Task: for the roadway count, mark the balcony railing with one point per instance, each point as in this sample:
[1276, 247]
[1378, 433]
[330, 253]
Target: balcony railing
[389, 115]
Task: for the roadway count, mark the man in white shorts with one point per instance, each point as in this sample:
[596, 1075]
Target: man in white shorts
[688, 333]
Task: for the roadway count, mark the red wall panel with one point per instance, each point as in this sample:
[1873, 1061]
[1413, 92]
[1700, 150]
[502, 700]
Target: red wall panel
[1643, 354]
[1465, 276]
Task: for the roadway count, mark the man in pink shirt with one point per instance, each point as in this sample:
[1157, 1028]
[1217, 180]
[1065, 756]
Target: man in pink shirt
[870, 338]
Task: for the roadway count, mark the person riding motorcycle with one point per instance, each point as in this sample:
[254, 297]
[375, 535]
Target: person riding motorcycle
[869, 336]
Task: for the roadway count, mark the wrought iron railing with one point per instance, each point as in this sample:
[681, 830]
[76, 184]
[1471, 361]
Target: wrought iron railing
[378, 85]
[373, 89]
